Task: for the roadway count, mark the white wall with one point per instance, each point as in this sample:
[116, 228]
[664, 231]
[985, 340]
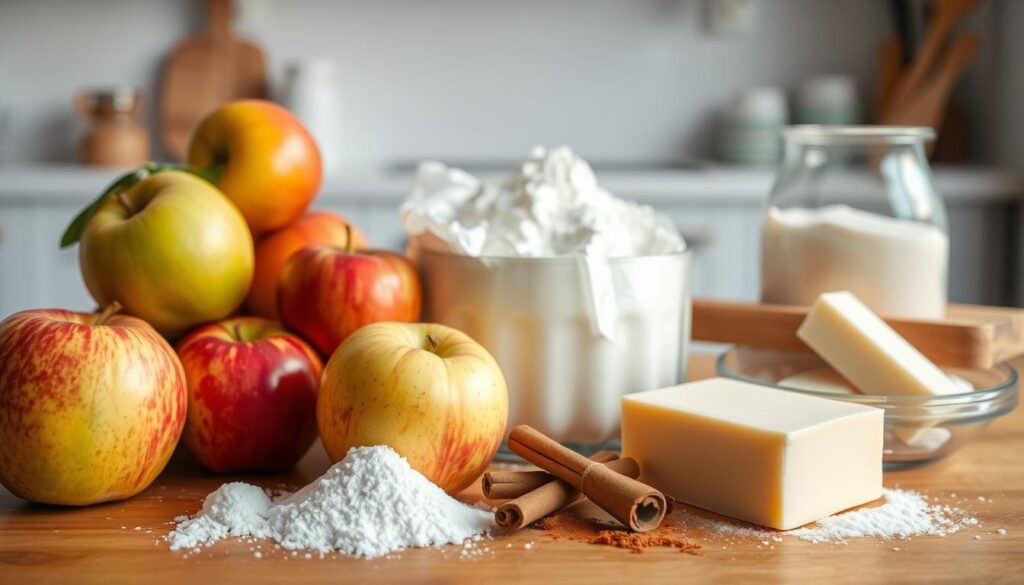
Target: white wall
[634, 80]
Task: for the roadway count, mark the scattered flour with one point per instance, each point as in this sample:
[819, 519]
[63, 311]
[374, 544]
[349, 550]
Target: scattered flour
[904, 514]
[369, 504]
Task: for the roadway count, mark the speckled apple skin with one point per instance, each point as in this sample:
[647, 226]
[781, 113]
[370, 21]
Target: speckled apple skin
[443, 408]
[87, 413]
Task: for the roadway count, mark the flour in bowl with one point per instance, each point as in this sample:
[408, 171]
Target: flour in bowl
[553, 206]
[369, 504]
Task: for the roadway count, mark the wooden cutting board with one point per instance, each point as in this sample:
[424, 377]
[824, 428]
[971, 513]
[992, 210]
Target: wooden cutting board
[205, 72]
[971, 336]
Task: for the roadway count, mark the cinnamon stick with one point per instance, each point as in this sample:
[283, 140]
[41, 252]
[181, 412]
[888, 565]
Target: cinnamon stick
[636, 505]
[551, 497]
[506, 485]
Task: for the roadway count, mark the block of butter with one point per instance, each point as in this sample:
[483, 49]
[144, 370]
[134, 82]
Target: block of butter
[771, 457]
[867, 351]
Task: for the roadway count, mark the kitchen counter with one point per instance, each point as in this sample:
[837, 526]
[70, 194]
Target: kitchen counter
[120, 542]
[720, 184]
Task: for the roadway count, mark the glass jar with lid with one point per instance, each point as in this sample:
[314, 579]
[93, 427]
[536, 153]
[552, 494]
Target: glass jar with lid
[855, 208]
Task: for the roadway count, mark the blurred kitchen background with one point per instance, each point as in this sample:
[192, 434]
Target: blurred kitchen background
[671, 100]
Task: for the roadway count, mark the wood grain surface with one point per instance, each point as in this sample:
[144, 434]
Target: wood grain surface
[121, 542]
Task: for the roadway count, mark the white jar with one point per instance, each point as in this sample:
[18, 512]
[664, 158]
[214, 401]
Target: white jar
[750, 130]
[311, 93]
[537, 318]
[829, 99]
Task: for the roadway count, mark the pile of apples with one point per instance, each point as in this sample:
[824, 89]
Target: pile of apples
[222, 259]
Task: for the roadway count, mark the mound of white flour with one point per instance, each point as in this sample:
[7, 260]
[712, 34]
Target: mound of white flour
[369, 504]
[552, 206]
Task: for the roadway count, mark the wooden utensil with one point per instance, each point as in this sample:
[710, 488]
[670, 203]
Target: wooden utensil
[890, 67]
[927, 105]
[948, 13]
[205, 72]
[971, 336]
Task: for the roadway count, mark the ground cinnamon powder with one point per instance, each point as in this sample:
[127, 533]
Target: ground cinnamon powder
[567, 525]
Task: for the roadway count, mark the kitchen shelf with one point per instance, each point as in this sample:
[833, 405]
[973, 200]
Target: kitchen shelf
[714, 184]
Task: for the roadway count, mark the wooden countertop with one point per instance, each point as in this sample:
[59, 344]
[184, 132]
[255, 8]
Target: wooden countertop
[120, 542]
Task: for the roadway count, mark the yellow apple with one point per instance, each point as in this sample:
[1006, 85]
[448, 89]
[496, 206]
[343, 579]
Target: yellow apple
[428, 391]
[91, 406]
[171, 248]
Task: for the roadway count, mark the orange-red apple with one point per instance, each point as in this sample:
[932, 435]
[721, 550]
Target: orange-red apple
[251, 395]
[274, 249]
[428, 391]
[327, 293]
[263, 159]
[91, 407]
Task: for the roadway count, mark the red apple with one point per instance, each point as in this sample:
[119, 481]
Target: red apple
[274, 249]
[252, 390]
[326, 293]
[91, 407]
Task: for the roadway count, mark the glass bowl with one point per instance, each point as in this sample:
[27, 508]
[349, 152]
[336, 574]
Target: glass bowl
[918, 429]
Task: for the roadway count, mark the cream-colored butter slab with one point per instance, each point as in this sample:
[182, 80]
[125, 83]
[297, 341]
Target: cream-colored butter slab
[867, 351]
[771, 457]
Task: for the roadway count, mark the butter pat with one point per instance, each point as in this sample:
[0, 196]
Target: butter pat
[771, 457]
[868, 352]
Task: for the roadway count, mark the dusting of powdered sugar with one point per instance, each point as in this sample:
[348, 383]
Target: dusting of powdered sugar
[903, 514]
[369, 504]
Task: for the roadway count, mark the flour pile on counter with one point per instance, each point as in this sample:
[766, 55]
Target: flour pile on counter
[369, 504]
[552, 207]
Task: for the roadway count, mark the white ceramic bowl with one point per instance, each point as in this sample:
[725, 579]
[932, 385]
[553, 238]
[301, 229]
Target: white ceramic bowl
[539, 319]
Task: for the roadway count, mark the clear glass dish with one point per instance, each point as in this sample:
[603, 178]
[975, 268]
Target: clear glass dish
[918, 429]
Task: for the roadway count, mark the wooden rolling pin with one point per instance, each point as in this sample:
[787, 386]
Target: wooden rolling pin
[971, 336]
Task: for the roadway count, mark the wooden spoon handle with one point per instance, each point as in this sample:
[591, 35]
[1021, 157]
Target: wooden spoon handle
[218, 15]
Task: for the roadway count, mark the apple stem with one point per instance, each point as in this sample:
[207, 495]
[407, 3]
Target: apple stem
[123, 200]
[108, 312]
[349, 248]
[238, 332]
[432, 342]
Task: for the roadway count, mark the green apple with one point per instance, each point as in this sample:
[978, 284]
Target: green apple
[171, 248]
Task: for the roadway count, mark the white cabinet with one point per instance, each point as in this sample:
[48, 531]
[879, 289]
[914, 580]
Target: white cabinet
[721, 222]
[36, 272]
